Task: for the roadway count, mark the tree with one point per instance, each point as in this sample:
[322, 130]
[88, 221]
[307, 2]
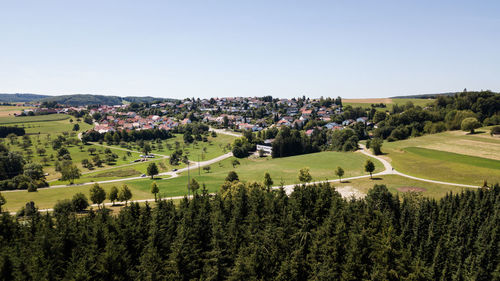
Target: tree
[70, 173]
[207, 169]
[41, 151]
[469, 124]
[76, 127]
[154, 189]
[63, 207]
[113, 195]
[235, 162]
[304, 175]
[268, 181]
[340, 173]
[146, 148]
[369, 167]
[376, 146]
[79, 202]
[91, 150]
[125, 194]
[232, 176]
[2, 202]
[97, 194]
[193, 185]
[379, 116]
[152, 170]
[34, 171]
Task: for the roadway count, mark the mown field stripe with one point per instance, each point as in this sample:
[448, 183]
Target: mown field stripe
[455, 157]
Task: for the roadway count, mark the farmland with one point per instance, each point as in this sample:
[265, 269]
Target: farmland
[366, 103]
[9, 111]
[452, 156]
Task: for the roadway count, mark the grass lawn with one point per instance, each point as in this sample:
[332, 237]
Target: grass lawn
[398, 184]
[321, 164]
[31, 119]
[52, 127]
[452, 156]
[199, 151]
[77, 155]
[123, 171]
[47, 198]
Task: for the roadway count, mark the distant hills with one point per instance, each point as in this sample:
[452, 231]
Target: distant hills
[77, 100]
[21, 97]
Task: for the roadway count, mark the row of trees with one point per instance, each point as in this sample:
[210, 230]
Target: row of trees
[466, 111]
[249, 232]
[7, 130]
[125, 136]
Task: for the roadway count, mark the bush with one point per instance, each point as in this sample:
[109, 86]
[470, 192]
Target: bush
[79, 202]
[232, 176]
[469, 124]
[63, 207]
[495, 130]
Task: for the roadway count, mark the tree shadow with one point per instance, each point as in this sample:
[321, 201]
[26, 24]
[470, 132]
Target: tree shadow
[476, 133]
[376, 178]
[343, 181]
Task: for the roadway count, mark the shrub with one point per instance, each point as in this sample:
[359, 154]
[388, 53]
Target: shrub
[79, 202]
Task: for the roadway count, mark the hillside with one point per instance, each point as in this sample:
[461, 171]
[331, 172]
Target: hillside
[78, 99]
[21, 97]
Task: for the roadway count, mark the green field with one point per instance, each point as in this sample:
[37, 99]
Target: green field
[321, 164]
[198, 151]
[452, 156]
[396, 184]
[31, 119]
[416, 102]
[284, 170]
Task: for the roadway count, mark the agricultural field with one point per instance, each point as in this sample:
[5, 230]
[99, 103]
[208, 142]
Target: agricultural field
[45, 124]
[452, 156]
[366, 103]
[321, 166]
[10, 110]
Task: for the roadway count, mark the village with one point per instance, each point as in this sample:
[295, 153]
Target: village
[237, 113]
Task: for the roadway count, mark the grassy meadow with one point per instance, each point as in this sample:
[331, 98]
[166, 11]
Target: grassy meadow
[452, 156]
[321, 166]
[366, 103]
[10, 110]
[197, 151]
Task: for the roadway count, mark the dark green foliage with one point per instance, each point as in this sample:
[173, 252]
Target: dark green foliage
[291, 142]
[6, 130]
[250, 233]
[232, 176]
[79, 202]
[447, 112]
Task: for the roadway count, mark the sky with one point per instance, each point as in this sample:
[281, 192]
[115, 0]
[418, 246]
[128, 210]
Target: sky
[179, 49]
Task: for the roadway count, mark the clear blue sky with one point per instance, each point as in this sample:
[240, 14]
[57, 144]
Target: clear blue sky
[249, 48]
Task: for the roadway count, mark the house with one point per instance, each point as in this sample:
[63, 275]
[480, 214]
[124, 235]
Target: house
[362, 120]
[284, 122]
[266, 148]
